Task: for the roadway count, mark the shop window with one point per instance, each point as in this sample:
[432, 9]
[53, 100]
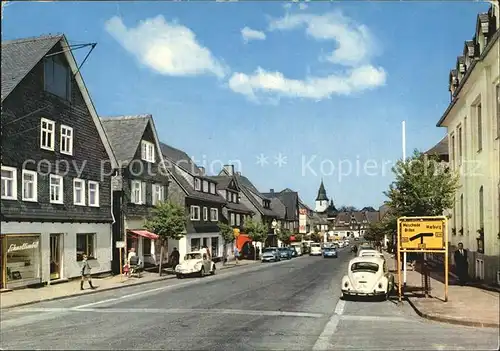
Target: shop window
[195, 244]
[85, 244]
[215, 246]
[22, 255]
[146, 247]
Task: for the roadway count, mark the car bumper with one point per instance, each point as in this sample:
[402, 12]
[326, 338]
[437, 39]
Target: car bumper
[363, 293]
[315, 253]
[185, 271]
[268, 259]
[330, 256]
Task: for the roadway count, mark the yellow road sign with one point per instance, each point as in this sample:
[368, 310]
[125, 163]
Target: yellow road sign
[422, 233]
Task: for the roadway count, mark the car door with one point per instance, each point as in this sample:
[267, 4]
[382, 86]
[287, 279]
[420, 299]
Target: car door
[206, 263]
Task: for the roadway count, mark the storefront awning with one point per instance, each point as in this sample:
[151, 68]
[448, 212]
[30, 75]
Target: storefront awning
[145, 234]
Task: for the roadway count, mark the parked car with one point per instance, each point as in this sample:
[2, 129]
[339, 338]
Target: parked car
[330, 252]
[367, 276]
[369, 252]
[294, 251]
[285, 253]
[315, 249]
[195, 263]
[270, 254]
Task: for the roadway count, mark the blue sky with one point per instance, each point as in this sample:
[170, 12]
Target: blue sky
[322, 84]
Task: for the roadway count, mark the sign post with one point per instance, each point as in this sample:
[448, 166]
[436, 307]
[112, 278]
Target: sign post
[423, 235]
[120, 245]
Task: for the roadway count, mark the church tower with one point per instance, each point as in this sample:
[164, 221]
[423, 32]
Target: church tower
[321, 199]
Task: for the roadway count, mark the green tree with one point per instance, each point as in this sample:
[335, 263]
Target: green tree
[284, 235]
[316, 237]
[347, 209]
[257, 231]
[423, 187]
[227, 234]
[168, 220]
[376, 231]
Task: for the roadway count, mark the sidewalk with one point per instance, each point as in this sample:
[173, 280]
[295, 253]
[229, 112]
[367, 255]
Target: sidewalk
[28, 296]
[466, 305]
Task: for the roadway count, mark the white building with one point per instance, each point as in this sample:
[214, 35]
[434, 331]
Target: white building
[473, 126]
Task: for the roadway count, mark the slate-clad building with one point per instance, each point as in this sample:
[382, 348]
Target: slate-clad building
[191, 188]
[141, 182]
[56, 167]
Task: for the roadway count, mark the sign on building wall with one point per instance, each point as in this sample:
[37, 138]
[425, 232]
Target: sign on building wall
[302, 221]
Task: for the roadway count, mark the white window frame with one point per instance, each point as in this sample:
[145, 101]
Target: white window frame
[238, 219]
[34, 198]
[213, 188]
[158, 194]
[51, 134]
[193, 213]
[197, 184]
[68, 140]
[60, 190]
[97, 192]
[214, 214]
[136, 192]
[232, 218]
[82, 192]
[205, 214]
[207, 188]
[147, 151]
[14, 182]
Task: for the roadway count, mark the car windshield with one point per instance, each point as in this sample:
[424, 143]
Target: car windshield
[193, 256]
[326, 249]
[316, 245]
[269, 249]
[284, 249]
[364, 267]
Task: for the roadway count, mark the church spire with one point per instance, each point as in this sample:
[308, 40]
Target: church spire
[322, 193]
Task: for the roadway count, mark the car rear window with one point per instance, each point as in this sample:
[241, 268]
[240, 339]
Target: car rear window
[315, 245]
[364, 267]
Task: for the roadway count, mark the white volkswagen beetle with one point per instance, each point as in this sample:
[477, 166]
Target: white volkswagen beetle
[367, 276]
[195, 263]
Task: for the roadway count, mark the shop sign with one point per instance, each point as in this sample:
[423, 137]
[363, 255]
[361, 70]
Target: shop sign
[24, 246]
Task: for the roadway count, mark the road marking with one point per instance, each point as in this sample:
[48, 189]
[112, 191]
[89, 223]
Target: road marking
[181, 311]
[339, 309]
[323, 342]
[373, 318]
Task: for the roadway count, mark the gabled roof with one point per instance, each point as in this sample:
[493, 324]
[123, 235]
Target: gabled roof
[222, 182]
[248, 189]
[279, 208]
[180, 159]
[20, 56]
[289, 199]
[125, 134]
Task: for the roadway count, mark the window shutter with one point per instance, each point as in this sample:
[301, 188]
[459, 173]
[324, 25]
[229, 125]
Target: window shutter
[143, 193]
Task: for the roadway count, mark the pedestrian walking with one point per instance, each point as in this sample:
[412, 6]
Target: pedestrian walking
[174, 257]
[236, 254]
[86, 273]
[461, 264]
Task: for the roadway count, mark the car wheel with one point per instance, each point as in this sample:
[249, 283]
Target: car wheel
[179, 276]
[213, 271]
[202, 272]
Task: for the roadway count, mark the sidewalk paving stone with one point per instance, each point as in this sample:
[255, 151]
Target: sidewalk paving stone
[466, 305]
[28, 296]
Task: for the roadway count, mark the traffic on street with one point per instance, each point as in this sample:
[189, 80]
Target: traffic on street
[289, 305]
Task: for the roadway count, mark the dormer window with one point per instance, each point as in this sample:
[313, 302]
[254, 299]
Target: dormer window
[147, 151]
[205, 186]
[197, 184]
[212, 188]
[57, 77]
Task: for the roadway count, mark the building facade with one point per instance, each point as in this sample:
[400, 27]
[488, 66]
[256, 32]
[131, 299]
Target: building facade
[56, 167]
[473, 131]
[141, 182]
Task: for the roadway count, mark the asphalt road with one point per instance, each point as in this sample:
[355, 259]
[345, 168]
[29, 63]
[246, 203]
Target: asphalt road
[291, 305]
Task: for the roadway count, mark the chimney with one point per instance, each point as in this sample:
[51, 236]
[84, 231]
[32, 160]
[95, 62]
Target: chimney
[229, 169]
[271, 191]
[202, 170]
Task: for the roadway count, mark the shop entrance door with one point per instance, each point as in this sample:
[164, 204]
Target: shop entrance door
[55, 256]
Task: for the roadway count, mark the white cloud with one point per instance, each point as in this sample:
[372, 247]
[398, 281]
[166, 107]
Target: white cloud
[249, 34]
[355, 48]
[168, 48]
[316, 88]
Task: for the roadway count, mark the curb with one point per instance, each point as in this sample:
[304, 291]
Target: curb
[451, 320]
[91, 292]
